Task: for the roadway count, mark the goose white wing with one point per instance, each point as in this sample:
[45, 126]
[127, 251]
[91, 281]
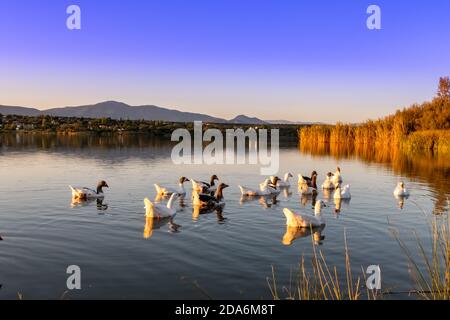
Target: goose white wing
[165, 190]
[283, 184]
[301, 220]
[157, 210]
[251, 192]
[163, 211]
[83, 192]
[343, 194]
[310, 221]
[401, 192]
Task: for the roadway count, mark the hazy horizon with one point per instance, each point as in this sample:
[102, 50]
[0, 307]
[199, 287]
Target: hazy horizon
[309, 62]
[180, 109]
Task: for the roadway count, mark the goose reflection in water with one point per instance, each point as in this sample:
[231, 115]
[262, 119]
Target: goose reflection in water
[338, 205]
[293, 233]
[287, 193]
[198, 210]
[157, 223]
[401, 201]
[84, 203]
[304, 200]
[265, 201]
[327, 193]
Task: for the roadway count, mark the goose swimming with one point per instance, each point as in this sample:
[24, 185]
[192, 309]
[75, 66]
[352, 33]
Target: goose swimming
[342, 193]
[263, 190]
[400, 190]
[303, 220]
[205, 200]
[211, 186]
[337, 178]
[166, 191]
[245, 191]
[270, 185]
[87, 193]
[305, 187]
[328, 184]
[153, 210]
[311, 182]
[285, 183]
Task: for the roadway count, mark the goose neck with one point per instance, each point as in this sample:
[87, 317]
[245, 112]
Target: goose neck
[219, 194]
[171, 200]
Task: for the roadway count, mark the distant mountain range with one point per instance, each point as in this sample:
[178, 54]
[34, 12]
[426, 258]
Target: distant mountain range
[119, 110]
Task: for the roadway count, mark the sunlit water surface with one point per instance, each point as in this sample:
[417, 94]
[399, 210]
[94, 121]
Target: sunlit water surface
[228, 255]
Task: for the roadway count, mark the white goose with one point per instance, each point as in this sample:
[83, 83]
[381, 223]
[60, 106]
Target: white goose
[153, 210]
[337, 178]
[305, 221]
[83, 193]
[270, 185]
[328, 184]
[166, 191]
[263, 191]
[400, 190]
[342, 193]
[285, 183]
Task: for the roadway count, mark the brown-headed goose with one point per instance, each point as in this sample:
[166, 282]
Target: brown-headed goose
[84, 193]
[198, 186]
[305, 187]
[205, 200]
[311, 182]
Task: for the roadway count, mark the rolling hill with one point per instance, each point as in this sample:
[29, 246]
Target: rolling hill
[118, 110]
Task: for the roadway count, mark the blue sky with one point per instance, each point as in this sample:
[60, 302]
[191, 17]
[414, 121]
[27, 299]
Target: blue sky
[275, 59]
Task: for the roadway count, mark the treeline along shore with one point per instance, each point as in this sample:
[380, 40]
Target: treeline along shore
[69, 125]
[424, 127]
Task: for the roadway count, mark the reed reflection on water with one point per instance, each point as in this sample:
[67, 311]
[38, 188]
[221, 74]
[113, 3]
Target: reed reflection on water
[228, 252]
[425, 167]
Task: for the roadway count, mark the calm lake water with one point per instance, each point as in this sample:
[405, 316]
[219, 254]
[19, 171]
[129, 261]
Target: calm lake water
[224, 255]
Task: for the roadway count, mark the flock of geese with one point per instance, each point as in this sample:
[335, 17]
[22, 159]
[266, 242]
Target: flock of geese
[208, 196]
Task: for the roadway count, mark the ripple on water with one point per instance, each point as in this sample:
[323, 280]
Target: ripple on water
[121, 257]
